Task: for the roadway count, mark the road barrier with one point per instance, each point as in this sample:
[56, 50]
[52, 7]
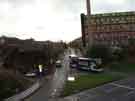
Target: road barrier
[24, 94]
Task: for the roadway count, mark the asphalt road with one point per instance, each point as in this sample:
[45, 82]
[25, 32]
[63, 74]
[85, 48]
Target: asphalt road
[123, 90]
[51, 87]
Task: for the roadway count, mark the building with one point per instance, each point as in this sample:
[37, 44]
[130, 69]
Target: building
[108, 28]
[22, 45]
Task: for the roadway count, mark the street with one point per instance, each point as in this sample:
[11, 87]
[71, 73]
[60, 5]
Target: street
[53, 85]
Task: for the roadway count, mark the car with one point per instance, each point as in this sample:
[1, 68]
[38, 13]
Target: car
[30, 74]
[73, 56]
[58, 63]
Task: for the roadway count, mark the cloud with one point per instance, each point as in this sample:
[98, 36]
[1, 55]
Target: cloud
[51, 19]
[99, 6]
[72, 6]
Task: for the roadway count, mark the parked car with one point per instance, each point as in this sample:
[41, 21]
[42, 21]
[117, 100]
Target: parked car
[72, 56]
[58, 63]
[30, 74]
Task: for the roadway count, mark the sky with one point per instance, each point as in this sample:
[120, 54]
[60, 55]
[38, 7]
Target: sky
[51, 19]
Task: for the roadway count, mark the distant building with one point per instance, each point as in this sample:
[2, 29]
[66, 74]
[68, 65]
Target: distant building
[22, 45]
[108, 28]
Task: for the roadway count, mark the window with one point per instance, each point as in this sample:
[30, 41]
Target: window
[98, 21]
[108, 20]
[133, 19]
[117, 19]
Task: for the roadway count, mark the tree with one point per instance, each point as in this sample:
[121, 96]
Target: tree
[131, 47]
[118, 53]
[99, 51]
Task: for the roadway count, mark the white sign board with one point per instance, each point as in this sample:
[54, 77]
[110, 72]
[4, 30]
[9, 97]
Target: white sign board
[71, 78]
[40, 68]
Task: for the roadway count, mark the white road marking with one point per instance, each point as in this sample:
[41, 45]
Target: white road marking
[53, 93]
[122, 86]
[132, 92]
[111, 89]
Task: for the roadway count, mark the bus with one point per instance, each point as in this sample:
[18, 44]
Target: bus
[89, 64]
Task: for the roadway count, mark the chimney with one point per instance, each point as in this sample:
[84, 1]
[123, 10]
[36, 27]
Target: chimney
[88, 7]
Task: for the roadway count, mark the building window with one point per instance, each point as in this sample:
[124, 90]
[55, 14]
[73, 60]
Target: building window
[98, 21]
[133, 19]
[117, 19]
[92, 21]
[108, 20]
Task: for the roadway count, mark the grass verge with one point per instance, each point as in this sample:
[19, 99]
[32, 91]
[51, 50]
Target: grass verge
[88, 81]
[123, 67]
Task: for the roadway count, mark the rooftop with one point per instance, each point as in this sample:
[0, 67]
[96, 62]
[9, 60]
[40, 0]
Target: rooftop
[130, 13]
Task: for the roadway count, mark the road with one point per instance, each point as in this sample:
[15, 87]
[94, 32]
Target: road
[51, 87]
[123, 90]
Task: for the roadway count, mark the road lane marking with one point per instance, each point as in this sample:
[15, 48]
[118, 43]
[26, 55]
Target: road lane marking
[122, 86]
[129, 93]
[53, 93]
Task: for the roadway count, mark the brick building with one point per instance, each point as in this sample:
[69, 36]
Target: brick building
[108, 28]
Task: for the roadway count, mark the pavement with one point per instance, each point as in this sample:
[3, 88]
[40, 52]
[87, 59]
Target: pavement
[123, 90]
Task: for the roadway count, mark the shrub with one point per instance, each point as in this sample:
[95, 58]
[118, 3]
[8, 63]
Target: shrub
[119, 53]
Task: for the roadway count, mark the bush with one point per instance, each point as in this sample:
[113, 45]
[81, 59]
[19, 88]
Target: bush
[9, 86]
[119, 54]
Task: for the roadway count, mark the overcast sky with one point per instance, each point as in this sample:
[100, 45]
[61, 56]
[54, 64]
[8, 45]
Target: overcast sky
[51, 19]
